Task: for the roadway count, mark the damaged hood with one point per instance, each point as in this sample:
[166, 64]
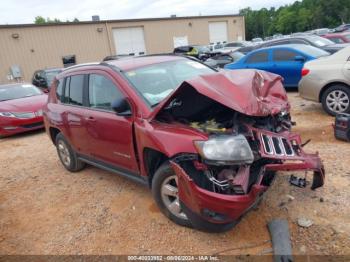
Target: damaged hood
[250, 92]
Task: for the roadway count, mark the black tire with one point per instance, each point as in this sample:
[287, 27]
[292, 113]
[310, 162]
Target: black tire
[193, 220]
[327, 95]
[164, 172]
[74, 164]
[203, 225]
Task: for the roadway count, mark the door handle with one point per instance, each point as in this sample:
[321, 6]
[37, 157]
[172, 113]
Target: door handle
[90, 119]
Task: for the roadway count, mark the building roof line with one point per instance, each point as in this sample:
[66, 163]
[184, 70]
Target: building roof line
[119, 21]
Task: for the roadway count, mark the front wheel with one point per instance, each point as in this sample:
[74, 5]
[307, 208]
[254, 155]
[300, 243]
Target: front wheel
[336, 99]
[165, 193]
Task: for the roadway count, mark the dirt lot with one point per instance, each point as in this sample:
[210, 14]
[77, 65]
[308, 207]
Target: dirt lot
[46, 210]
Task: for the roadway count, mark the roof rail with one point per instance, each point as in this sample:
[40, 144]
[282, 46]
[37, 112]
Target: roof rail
[79, 65]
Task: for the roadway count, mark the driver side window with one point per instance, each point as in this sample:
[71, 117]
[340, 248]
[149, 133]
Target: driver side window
[102, 92]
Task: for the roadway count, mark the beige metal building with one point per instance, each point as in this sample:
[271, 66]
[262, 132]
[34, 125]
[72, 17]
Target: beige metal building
[31, 47]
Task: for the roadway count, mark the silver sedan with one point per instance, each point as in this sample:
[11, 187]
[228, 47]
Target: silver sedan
[327, 80]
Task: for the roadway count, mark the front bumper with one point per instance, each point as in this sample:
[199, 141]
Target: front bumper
[221, 208]
[16, 126]
[227, 208]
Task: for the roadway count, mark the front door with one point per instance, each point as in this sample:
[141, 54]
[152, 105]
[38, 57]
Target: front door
[110, 135]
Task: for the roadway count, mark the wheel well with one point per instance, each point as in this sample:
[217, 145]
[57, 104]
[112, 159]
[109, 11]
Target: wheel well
[53, 133]
[153, 159]
[328, 86]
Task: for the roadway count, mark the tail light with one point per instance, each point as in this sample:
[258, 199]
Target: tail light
[304, 71]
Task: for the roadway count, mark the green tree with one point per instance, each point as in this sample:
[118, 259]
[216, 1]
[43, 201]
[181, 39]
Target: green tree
[42, 20]
[39, 20]
[297, 17]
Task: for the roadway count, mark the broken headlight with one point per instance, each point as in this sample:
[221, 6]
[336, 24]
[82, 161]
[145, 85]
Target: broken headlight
[226, 149]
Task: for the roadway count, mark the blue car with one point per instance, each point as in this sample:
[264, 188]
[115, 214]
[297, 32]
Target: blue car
[284, 60]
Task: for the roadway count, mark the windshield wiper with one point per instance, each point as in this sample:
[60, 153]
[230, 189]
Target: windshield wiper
[154, 105]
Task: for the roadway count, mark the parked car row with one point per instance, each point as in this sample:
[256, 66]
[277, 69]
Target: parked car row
[312, 40]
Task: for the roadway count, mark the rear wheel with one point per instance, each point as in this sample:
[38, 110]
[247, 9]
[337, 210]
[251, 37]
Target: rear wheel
[67, 155]
[336, 99]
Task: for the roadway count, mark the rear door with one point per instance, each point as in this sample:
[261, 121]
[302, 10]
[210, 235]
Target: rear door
[285, 65]
[346, 70]
[73, 114]
[110, 135]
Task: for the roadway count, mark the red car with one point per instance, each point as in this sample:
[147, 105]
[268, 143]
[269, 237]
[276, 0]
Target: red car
[339, 38]
[207, 143]
[20, 108]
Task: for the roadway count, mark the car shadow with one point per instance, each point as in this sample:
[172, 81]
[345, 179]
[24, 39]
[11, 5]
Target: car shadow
[23, 135]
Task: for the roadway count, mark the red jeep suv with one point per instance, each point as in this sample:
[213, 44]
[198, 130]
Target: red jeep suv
[208, 143]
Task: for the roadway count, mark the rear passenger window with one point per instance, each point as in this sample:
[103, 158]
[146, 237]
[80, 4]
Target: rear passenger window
[260, 57]
[284, 55]
[102, 92]
[59, 89]
[76, 86]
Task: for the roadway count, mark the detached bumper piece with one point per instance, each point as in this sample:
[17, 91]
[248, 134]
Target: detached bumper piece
[297, 181]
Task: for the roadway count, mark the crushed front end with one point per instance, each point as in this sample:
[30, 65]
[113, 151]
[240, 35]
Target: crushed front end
[223, 184]
[249, 138]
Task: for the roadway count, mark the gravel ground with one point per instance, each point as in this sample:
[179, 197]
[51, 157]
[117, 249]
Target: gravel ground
[46, 210]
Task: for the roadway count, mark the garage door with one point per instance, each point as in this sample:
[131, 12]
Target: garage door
[129, 40]
[217, 32]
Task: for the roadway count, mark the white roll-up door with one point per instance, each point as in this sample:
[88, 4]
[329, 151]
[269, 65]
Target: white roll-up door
[217, 32]
[129, 40]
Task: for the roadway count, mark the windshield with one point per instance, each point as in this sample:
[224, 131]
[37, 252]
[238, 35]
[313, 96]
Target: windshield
[320, 41]
[312, 51]
[50, 75]
[10, 92]
[155, 82]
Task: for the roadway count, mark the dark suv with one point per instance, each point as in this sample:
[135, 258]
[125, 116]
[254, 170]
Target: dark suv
[43, 78]
[207, 143]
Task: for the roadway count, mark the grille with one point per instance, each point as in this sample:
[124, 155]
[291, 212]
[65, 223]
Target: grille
[25, 115]
[274, 145]
[37, 124]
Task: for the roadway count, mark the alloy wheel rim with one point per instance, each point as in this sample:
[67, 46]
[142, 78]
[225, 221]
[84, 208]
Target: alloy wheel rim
[64, 153]
[338, 101]
[170, 196]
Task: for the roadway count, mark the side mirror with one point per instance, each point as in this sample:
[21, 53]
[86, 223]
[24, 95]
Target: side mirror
[122, 107]
[299, 58]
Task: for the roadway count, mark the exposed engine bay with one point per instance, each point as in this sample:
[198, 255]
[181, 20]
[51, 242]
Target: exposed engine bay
[194, 110]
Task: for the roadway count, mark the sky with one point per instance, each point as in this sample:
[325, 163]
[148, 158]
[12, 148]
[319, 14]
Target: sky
[25, 11]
